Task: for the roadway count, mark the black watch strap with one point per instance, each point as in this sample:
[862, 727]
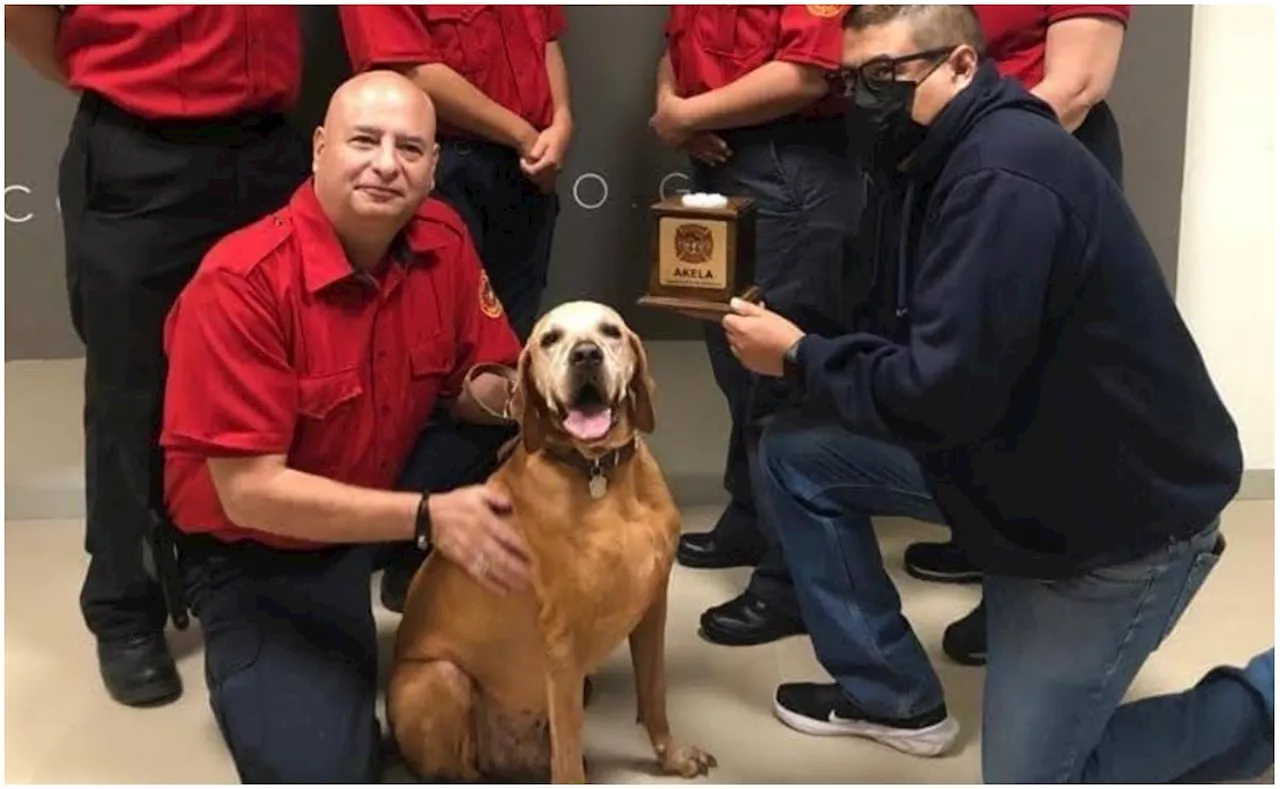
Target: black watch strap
[422, 525]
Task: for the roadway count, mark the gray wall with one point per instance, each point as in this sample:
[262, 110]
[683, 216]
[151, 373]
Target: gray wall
[601, 246]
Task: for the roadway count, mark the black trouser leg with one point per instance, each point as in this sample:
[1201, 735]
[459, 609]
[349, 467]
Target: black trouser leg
[448, 455]
[808, 206]
[1100, 133]
[291, 660]
[511, 222]
[139, 213]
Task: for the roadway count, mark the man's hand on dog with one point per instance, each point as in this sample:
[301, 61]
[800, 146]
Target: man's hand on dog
[759, 338]
[472, 527]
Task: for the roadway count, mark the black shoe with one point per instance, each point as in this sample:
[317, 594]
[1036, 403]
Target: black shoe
[965, 640]
[703, 551]
[824, 710]
[138, 670]
[394, 588]
[748, 620]
[942, 562]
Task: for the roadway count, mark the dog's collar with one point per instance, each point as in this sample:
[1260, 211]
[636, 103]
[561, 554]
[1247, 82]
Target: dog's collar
[595, 468]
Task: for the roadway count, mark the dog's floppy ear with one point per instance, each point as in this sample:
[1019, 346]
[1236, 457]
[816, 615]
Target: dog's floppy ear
[528, 409]
[641, 389]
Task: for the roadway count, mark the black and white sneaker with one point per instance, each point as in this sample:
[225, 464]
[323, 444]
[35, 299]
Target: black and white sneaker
[824, 710]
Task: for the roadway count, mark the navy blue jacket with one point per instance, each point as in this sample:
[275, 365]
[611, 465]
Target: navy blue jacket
[1032, 356]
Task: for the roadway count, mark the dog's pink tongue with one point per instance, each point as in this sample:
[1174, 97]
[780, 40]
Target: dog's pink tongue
[588, 425]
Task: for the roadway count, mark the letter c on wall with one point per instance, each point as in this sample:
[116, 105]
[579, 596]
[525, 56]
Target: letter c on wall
[8, 217]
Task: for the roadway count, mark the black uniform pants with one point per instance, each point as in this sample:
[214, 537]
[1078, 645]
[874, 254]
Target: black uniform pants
[809, 200]
[141, 204]
[291, 658]
[511, 222]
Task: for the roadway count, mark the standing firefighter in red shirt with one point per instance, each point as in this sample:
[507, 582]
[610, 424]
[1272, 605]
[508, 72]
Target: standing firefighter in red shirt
[748, 92]
[497, 78]
[306, 356]
[180, 136]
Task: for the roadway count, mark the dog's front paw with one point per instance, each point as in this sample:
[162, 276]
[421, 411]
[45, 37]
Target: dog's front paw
[688, 761]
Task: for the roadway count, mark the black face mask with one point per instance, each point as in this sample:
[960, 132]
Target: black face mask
[881, 133]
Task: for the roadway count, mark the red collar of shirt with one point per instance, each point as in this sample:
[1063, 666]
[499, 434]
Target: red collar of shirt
[324, 261]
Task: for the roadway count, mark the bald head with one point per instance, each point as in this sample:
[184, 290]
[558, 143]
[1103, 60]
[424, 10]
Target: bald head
[381, 90]
[375, 155]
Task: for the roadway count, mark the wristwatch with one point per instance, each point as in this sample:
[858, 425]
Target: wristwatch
[791, 372]
[422, 524]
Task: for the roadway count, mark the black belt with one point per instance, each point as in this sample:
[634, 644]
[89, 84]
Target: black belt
[232, 130]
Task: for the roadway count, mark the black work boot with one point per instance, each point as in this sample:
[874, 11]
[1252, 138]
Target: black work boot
[965, 640]
[138, 670]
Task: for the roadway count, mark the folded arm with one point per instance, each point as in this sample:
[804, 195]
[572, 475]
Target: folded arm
[467, 107]
[776, 89]
[1080, 59]
[976, 305]
[32, 31]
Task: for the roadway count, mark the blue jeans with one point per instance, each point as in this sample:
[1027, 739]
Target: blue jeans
[1060, 654]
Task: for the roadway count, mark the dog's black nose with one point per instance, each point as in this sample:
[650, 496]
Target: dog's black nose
[586, 354]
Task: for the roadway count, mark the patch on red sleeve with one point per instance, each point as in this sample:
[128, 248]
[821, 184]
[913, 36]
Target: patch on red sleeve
[825, 11]
[489, 303]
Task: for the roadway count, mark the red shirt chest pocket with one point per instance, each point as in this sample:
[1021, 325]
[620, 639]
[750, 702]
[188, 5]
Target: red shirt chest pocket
[430, 365]
[334, 426]
[467, 36]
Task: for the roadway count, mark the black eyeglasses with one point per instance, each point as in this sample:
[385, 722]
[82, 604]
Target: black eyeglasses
[880, 71]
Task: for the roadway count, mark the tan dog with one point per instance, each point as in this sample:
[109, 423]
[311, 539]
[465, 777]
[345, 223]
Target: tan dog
[486, 686]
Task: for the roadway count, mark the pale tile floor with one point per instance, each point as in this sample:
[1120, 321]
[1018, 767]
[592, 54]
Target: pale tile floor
[61, 728]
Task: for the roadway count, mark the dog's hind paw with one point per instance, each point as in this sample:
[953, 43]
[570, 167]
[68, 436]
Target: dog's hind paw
[688, 761]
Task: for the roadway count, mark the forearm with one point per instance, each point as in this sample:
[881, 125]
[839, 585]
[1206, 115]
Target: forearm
[1071, 99]
[666, 80]
[1080, 60]
[558, 77]
[461, 104]
[487, 394]
[304, 506]
[776, 89]
[32, 32]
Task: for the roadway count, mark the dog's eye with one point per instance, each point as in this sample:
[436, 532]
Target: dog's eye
[550, 338]
[610, 331]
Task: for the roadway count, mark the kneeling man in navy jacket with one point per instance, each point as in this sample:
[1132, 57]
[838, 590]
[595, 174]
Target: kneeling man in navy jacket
[1029, 383]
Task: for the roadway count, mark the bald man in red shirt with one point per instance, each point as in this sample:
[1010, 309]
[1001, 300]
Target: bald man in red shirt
[305, 359]
[180, 136]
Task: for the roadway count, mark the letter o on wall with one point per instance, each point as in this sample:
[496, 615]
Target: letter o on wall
[577, 191]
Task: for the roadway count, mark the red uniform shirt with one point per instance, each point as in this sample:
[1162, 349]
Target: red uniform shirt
[500, 49]
[278, 347]
[185, 61]
[1015, 34]
[711, 46]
